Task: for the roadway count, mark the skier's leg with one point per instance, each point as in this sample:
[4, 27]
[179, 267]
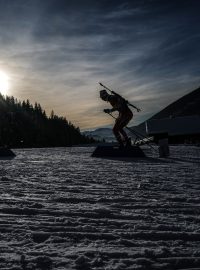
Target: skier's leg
[117, 134]
[124, 120]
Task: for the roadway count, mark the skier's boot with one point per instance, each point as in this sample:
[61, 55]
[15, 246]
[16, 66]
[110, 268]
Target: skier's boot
[120, 141]
[128, 142]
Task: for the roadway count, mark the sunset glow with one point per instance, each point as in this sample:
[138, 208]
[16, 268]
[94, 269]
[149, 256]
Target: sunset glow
[4, 83]
[147, 51]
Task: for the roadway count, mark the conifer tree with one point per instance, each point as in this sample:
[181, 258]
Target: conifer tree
[25, 125]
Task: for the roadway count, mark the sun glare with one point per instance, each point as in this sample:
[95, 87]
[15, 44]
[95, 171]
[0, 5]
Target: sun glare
[4, 83]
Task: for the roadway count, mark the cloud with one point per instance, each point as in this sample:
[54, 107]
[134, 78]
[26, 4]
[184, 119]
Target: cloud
[57, 51]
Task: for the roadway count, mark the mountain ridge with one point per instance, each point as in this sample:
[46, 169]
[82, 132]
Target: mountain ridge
[190, 104]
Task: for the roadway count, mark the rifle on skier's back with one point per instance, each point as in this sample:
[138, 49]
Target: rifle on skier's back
[114, 93]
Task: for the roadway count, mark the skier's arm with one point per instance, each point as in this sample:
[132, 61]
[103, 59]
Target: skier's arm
[110, 110]
[113, 109]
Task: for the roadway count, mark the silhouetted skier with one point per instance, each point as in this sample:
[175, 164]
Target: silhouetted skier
[125, 115]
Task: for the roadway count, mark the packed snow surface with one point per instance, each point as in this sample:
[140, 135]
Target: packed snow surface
[62, 209]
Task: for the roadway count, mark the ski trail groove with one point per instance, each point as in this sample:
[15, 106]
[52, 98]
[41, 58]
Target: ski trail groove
[62, 209]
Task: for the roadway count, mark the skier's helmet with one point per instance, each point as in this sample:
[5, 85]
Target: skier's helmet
[103, 94]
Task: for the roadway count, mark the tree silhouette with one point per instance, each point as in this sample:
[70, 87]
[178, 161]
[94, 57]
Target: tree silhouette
[25, 125]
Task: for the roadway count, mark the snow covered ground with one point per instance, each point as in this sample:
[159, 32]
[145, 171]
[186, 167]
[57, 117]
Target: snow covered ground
[62, 209]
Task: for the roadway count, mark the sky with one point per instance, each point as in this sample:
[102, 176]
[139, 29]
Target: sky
[55, 52]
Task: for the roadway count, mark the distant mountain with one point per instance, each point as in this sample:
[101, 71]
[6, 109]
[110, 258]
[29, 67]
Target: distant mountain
[186, 105]
[100, 134]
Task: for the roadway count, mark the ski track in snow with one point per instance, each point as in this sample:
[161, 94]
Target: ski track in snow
[62, 209]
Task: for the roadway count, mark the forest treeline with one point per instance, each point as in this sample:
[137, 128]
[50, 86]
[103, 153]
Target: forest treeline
[25, 125]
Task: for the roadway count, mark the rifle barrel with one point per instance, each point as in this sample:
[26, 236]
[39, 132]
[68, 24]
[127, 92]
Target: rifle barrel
[106, 87]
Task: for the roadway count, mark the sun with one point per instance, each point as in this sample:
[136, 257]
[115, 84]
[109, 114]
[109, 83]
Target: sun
[4, 83]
